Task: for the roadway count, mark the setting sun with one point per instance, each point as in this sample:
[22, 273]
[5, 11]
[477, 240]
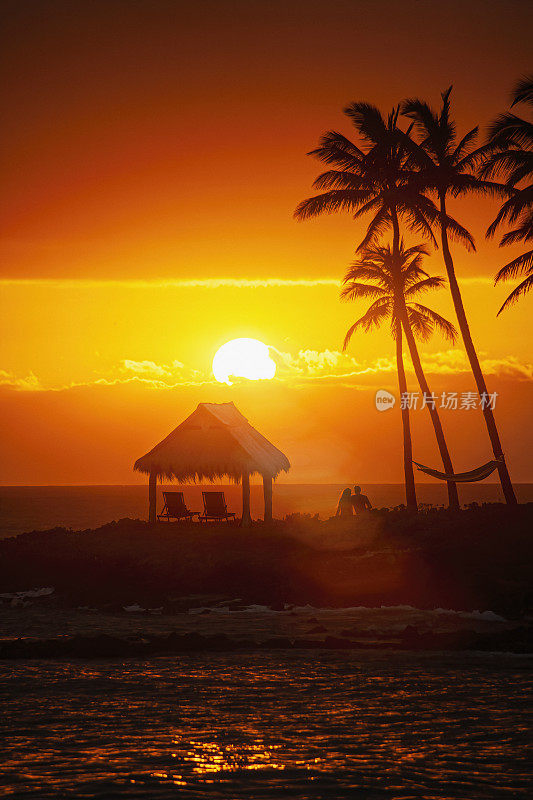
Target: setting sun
[243, 358]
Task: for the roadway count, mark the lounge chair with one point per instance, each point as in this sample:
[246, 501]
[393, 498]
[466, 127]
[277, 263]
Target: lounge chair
[175, 507]
[215, 507]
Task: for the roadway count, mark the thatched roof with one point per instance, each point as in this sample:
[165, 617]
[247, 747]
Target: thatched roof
[215, 441]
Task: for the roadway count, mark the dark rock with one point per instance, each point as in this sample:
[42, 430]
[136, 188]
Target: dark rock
[277, 643]
[334, 643]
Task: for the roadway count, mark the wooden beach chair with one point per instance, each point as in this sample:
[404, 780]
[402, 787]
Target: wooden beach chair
[175, 507]
[215, 507]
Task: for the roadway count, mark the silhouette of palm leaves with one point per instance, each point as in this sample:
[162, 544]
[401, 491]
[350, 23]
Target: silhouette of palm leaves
[445, 165]
[389, 281]
[374, 177]
[509, 152]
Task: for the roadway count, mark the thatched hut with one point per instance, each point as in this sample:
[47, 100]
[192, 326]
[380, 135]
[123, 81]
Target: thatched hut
[215, 441]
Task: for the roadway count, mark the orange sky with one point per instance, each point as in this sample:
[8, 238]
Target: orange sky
[150, 149]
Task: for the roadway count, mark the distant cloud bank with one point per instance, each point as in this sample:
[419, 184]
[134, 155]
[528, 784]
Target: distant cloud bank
[185, 283]
[304, 368]
[200, 283]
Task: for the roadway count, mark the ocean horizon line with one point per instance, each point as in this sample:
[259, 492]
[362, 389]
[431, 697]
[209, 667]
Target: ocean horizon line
[228, 483]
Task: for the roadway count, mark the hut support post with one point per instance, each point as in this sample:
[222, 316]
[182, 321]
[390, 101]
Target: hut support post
[267, 493]
[246, 518]
[152, 496]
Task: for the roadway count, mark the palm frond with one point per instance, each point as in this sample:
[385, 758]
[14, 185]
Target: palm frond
[460, 234]
[354, 290]
[412, 270]
[338, 140]
[417, 217]
[416, 249]
[523, 91]
[417, 157]
[516, 164]
[463, 184]
[442, 325]
[336, 149]
[516, 294]
[368, 121]
[425, 119]
[446, 125]
[328, 203]
[370, 205]
[374, 316]
[338, 179]
[419, 323]
[425, 285]
[375, 228]
[350, 332]
[521, 172]
[368, 271]
[523, 233]
[510, 130]
[518, 266]
[472, 160]
[512, 209]
[461, 149]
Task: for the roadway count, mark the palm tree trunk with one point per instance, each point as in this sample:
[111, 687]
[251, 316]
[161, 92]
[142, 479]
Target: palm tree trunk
[505, 480]
[410, 491]
[453, 497]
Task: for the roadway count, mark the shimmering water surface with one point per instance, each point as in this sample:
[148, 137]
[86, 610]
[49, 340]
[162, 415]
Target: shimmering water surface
[320, 725]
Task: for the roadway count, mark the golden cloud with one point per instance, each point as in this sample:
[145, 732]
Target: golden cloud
[30, 383]
[306, 367]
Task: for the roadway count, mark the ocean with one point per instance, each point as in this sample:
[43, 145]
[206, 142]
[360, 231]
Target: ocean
[320, 726]
[255, 723]
[27, 508]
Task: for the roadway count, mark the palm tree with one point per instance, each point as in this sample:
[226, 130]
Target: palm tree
[394, 284]
[510, 153]
[376, 179]
[445, 167]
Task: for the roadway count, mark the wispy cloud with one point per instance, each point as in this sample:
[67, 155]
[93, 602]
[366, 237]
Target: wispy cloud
[510, 367]
[199, 283]
[185, 283]
[30, 383]
[325, 365]
[485, 280]
[150, 368]
[304, 368]
[453, 361]
[145, 368]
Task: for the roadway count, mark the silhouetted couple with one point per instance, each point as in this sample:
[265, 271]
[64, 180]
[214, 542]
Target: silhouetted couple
[355, 503]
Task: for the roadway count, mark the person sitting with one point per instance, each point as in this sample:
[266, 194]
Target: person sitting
[344, 508]
[360, 502]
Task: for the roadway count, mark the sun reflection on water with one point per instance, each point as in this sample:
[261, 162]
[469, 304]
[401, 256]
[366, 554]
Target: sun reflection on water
[266, 726]
[212, 757]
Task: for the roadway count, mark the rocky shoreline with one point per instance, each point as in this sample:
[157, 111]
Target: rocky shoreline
[134, 589]
[519, 641]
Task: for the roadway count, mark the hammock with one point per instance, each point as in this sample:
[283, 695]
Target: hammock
[461, 477]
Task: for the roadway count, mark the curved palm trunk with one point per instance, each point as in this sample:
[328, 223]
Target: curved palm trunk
[410, 491]
[505, 480]
[453, 497]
